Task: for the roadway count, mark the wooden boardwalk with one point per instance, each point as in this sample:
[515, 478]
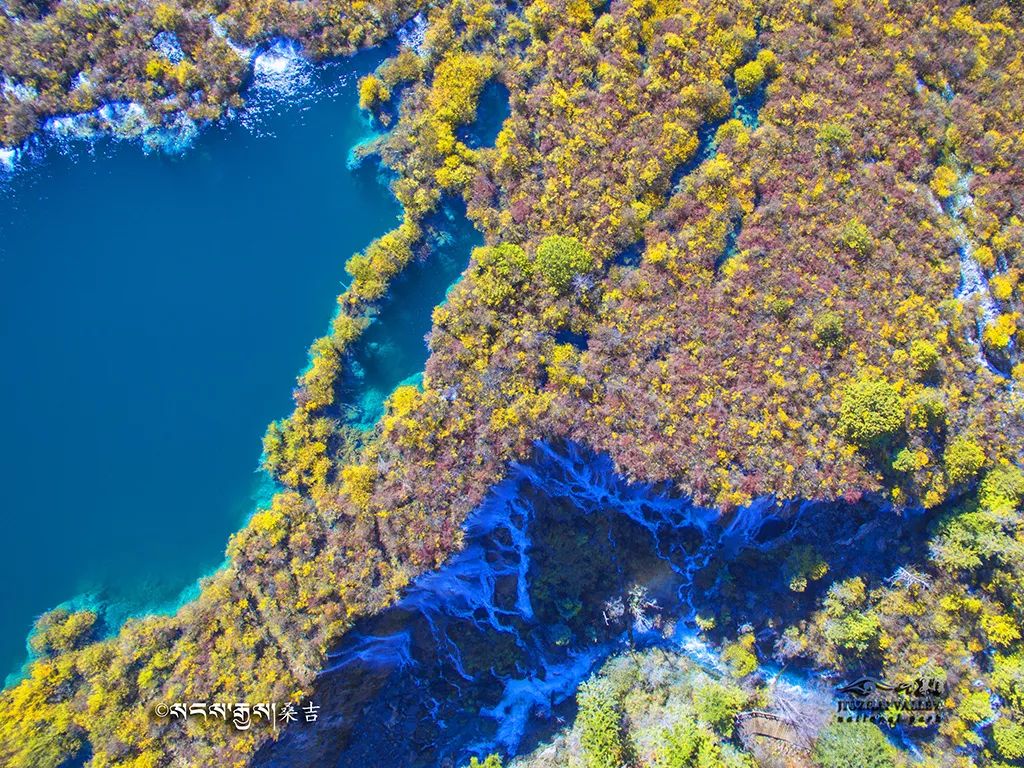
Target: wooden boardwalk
[766, 732]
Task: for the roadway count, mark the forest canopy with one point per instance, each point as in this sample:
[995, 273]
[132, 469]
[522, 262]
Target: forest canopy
[726, 243]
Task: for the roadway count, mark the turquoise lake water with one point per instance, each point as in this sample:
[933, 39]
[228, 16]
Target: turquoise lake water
[154, 312]
[393, 349]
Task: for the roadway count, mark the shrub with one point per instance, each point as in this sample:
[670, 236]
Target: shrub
[908, 460]
[687, 744]
[854, 745]
[855, 631]
[1003, 488]
[943, 182]
[834, 136]
[403, 68]
[61, 630]
[1000, 629]
[803, 565]
[384, 258]
[985, 256]
[600, 726]
[295, 449]
[560, 259]
[317, 383]
[857, 237]
[359, 480]
[740, 656]
[924, 357]
[850, 624]
[769, 62]
[780, 308]
[1009, 738]
[458, 80]
[829, 330]
[998, 334]
[749, 77]
[927, 409]
[975, 707]
[372, 92]
[871, 410]
[491, 761]
[501, 270]
[962, 460]
[167, 17]
[967, 538]
[402, 401]
[1001, 287]
[717, 704]
[1008, 678]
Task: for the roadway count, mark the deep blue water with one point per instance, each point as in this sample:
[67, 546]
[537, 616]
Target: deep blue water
[154, 312]
[492, 111]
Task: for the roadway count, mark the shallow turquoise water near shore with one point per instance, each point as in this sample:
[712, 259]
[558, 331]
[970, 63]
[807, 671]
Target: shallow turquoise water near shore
[154, 312]
[393, 350]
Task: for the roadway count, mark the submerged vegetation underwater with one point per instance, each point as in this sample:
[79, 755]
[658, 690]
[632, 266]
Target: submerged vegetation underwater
[735, 370]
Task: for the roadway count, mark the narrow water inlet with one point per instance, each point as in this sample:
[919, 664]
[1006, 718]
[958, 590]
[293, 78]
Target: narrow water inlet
[393, 349]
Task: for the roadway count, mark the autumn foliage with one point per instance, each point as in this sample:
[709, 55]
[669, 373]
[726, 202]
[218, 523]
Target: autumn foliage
[719, 246]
